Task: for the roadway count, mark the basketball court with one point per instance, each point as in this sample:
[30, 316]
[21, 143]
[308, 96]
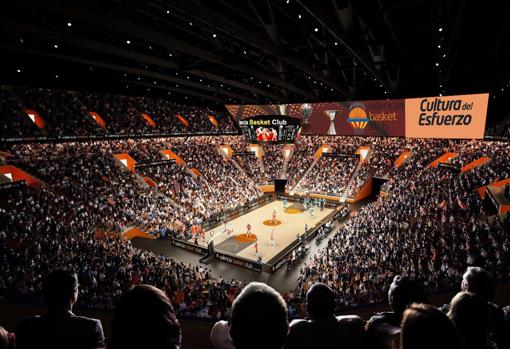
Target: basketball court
[233, 237]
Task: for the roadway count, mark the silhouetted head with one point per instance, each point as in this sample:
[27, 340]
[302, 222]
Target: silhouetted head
[258, 318]
[60, 289]
[480, 281]
[320, 302]
[425, 327]
[404, 291]
[144, 318]
[470, 315]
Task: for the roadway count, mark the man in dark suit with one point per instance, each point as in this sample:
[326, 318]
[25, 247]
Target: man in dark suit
[59, 327]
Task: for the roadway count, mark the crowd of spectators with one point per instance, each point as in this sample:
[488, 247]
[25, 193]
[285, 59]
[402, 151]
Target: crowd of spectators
[301, 159]
[39, 221]
[273, 161]
[67, 113]
[15, 124]
[249, 162]
[502, 129]
[332, 171]
[62, 111]
[380, 159]
[431, 226]
[226, 192]
[146, 316]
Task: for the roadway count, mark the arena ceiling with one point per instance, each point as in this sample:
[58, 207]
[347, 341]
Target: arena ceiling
[258, 51]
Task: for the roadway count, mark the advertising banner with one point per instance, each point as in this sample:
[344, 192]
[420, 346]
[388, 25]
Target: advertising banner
[460, 116]
[369, 118]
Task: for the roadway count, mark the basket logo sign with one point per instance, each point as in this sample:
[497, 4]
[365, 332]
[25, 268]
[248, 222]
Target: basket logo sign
[357, 117]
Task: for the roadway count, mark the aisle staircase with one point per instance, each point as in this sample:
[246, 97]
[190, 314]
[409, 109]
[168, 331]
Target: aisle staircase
[306, 173]
[344, 195]
[286, 160]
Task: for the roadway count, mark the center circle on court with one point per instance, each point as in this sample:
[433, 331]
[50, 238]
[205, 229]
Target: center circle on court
[293, 210]
[272, 223]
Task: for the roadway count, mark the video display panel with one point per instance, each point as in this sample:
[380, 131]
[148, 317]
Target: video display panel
[270, 128]
[460, 116]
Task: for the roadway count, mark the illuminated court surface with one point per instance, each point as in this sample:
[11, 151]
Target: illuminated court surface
[291, 222]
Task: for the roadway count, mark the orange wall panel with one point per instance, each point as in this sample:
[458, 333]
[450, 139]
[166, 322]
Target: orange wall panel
[18, 175]
[37, 119]
[97, 119]
[149, 120]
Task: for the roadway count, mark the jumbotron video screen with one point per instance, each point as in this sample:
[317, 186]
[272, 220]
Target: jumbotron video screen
[269, 128]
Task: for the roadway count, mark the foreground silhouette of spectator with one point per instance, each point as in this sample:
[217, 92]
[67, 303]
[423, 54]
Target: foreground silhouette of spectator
[59, 327]
[258, 318]
[426, 327]
[145, 318]
[469, 313]
[479, 281]
[403, 292]
[323, 329]
[7, 340]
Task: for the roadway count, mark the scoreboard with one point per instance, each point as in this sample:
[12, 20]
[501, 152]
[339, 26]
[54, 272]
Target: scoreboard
[270, 128]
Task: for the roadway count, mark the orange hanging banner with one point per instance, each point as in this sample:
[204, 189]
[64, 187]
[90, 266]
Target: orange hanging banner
[183, 120]
[149, 120]
[14, 174]
[213, 121]
[97, 119]
[170, 155]
[35, 117]
[443, 159]
[126, 160]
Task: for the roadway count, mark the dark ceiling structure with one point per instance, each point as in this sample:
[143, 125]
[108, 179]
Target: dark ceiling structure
[258, 51]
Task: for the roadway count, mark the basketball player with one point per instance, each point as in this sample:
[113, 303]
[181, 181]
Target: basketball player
[256, 249]
[202, 233]
[271, 241]
[248, 230]
[273, 220]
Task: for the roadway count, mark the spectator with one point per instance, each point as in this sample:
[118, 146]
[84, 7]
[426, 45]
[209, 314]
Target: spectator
[7, 340]
[324, 329]
[259, 318]
[59, 327]
[144, 318]
[469, 314]
[403, 291]
[425, 327]
[220, 336]
[479, 281]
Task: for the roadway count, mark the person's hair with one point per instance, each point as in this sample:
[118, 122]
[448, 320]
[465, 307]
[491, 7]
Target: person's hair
[144, 318]
[258, 318]
[4, 339]
[480, 281]
[404, 291]
[320, 301]
[59, 288]
[425, 327]
[470, 315]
